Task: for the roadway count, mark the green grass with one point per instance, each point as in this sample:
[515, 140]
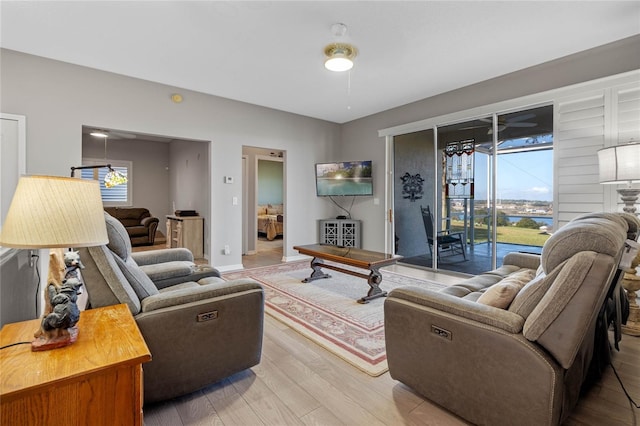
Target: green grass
[507, 234]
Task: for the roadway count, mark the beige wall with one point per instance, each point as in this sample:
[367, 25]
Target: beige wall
[59, 98]
[361, 136]
[150, 170]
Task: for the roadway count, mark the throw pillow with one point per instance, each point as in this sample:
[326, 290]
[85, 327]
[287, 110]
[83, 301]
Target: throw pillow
[500, 295]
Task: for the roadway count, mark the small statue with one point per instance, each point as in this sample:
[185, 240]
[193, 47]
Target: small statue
[61, 313]
[65, 313]
[72, 264]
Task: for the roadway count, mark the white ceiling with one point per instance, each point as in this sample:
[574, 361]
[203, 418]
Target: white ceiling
[270, 53]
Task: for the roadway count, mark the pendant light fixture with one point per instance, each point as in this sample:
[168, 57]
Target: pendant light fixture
[112, 177]
[339, 55]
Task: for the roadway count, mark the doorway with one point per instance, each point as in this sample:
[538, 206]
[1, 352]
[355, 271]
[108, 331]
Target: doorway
[165, 174]
[486, 182]
[264, 206]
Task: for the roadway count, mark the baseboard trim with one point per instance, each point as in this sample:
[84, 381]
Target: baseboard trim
[229, 268]
[295, 258]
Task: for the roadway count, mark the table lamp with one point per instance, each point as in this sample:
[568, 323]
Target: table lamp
[55, 212]
[621, 164]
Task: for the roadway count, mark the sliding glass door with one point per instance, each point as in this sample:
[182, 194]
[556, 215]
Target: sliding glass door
[463, 190]
[466, 210]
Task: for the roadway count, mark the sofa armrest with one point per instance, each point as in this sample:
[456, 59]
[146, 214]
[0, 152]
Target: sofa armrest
[484, 314]
[473, 369]
[164, 255]
[215, 337]
[523, 260]
[184, 296]
[148, 221]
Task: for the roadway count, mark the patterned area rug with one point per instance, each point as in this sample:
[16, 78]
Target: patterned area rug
[326, 310]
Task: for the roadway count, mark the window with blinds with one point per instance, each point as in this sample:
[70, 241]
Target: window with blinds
[119, 195]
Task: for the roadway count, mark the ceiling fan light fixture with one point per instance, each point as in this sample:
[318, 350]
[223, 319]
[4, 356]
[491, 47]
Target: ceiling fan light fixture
[339, 57]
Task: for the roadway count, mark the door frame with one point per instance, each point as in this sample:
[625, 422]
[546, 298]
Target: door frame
[263, 157]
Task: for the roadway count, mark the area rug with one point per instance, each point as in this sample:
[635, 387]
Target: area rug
[326, 310]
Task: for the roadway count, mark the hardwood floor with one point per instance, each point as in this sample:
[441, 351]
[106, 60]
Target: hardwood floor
[300, 383]
[268, 253]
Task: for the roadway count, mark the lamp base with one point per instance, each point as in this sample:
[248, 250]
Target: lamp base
[62, 338]
[629, 196]
[631, 283]
[632, 327]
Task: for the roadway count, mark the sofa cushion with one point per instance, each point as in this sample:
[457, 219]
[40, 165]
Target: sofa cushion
[137, 231]
[166, 270]
[531, 294]
[561, 321]
[120, 245]
[504, 271]
[119, 241]
[500, 295]
[141, 283]
[106, 283]
[597, 234]
[471, 285]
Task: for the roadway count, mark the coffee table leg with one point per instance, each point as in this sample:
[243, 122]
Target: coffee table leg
[375, 278]
[316, 265]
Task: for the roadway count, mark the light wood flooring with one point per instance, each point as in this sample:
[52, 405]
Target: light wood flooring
[300, 383]
[268, 253]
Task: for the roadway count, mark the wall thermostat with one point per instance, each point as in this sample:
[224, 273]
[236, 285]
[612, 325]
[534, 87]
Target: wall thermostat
[228, 179]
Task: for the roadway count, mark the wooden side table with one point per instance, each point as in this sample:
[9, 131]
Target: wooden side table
[97, 380]
[187, 232]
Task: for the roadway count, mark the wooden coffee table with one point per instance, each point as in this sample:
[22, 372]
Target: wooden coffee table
[363, 259]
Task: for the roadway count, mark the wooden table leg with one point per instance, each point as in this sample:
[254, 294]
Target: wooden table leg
[316, 265]
[374, 280]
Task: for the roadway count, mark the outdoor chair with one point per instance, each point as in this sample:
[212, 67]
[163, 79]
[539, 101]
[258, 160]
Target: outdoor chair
[448, 243]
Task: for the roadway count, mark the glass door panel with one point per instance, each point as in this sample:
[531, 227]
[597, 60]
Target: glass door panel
[414, 186]
[487, 180]
[525, 179]
[465, 209]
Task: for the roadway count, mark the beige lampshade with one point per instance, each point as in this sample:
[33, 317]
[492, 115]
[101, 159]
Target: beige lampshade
[619, 164]
[52, 211]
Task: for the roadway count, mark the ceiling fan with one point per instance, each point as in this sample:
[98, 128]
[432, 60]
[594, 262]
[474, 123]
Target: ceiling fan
[506, 122]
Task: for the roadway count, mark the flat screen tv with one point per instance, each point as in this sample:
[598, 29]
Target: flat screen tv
[346, 178]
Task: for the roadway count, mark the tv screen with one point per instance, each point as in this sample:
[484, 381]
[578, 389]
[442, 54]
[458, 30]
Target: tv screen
[344, 178]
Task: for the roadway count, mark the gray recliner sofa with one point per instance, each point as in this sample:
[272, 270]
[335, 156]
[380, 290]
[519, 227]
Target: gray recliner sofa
[199, 328]
[523, 363]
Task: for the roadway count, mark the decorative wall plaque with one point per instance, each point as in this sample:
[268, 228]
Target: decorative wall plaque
[412, 186]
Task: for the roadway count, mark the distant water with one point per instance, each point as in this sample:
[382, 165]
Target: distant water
[547, 220]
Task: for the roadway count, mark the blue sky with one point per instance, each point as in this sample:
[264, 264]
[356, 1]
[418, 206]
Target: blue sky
[527, 175]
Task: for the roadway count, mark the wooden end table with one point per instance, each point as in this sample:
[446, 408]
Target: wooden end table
[359, 258]
[97, 380]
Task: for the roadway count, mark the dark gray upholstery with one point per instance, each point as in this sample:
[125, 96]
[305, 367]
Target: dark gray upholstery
[524, 364]
[189, 350]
